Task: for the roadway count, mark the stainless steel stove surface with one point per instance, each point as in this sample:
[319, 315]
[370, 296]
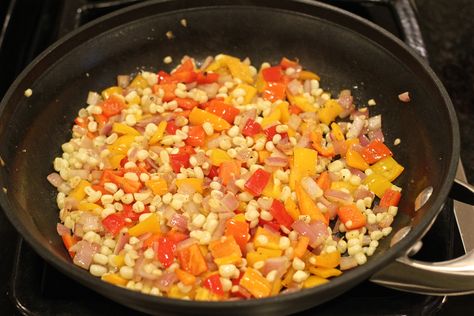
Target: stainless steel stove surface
[32, 287]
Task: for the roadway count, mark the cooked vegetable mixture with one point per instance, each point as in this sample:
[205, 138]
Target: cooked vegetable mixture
[219, 181]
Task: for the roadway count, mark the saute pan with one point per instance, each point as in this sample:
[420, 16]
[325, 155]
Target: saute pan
[345, 50]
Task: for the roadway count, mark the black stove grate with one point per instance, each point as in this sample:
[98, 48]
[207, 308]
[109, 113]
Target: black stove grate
[38, 289]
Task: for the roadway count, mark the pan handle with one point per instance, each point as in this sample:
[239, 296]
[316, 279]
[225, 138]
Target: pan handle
[453, 277]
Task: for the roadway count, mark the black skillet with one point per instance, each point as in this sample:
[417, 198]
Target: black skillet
[345, 50]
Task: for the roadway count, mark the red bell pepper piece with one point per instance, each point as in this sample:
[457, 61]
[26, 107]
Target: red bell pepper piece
[240, 231]
[257, 182]
[271, 131]
[179, 160]
[171, 127]
[164, 77]
[185, 72]
[166, 249]
[213, 172]
[114, 223]
[286, 63]
[110, 176]
[168, 89]
[112, 106]
[128, 212]
[204, 77]
[272, 74]
[213, 284]
[196, 136]
[274, 91]
[279, 213]
[390, 198]
[273, 224]
[375, 151]
[251, 128]
[187, 150]
[223, 110]
[186, 103]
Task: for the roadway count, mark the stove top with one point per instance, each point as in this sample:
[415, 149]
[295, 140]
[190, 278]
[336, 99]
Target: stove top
[32, 287]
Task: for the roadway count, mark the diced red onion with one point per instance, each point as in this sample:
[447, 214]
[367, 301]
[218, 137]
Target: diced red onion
[363, 140]
[179, 221]
[363, 113]
[285, 146]
[338, 196]
[70, 203]
[311, 187]
[92, 98]
[62, 230]
[220, 228]
[303, 141]
[211, 89]
[122, 240]
[190, 207]
[295, 87]
[376, 135]
[79, 130]
[316, 232]
[356, 127]
[84, 252]
[347, 263]
[106, 129]
[230, 202]
[379, 209]
[375, 122]
[340, 147]
[250, 114]
[166, 281]
[307, 86]
[276, 162]
[123, 81]
[90, 222]
[294, 121]
[81, 173]
[186, 243]
[279, 264]
[155, 119]
[191, 85]
[214, 143]
[345, 99]
[386, 222]
[244, 155]
[404, 97]
[361, 193]
[206, 62]
[55, 179]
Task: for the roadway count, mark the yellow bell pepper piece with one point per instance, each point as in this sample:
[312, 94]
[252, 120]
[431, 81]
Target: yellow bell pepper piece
[250, 93]
[387, 167]
[114, 279]
[199, 117]
[271, 119]
[218, 156]
[122, 144]
[330, 111]
[308, 75]
[313, 281]
[272, 190]
[262, 254]
[288, 279]
[355, 160]
[115, 160]
[157, 186]
[301, 102]
[203, 294]
[150, 225]
[337, 131]
[304, 164]
[377, 183]
[121, 128]
[236, 67]
[292, 208]
[111, 90]
[272, 238]
[195, 183]
[139, 82]
[284, 111]
[175, 292]
[89, 207]
[328, 260]
[307, 205]
[325, 272]
[159, 133]
[338, 185]
[255, 283]
[276, 287]
[78, 193]
[260, 82]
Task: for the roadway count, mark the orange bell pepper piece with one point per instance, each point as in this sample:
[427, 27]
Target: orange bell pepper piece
[225, 250]
[191, 260]
[328, 260]
[307, 205]
[199, 117]
[255, 283]
[351, 216]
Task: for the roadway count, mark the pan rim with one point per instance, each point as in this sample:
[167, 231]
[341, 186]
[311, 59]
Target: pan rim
[362, 272]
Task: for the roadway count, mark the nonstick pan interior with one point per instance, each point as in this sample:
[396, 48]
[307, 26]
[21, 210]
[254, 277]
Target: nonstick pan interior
[345, 51]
